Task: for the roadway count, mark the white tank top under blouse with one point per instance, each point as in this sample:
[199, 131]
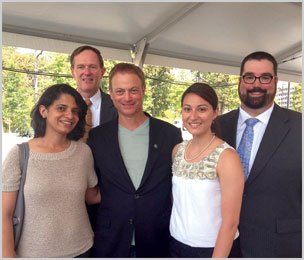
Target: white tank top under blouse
[196, 213]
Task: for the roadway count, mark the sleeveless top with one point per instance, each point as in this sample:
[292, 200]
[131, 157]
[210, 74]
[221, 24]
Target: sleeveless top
[196, 212]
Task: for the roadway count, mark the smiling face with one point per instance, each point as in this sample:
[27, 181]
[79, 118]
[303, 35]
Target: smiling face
[257, 96]
[127, 94]
[61, 116]
[87, 72]
[197, 114]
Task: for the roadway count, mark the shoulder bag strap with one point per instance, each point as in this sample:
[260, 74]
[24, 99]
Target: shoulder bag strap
[18, 215]
[23, 159]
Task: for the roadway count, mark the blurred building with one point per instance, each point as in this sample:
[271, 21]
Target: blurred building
[284, 93]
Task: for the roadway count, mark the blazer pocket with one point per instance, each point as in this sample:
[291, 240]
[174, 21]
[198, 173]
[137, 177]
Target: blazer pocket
[289, 225]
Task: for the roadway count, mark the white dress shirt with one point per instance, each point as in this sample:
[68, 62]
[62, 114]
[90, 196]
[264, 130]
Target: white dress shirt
[95, 108]
[258, 129]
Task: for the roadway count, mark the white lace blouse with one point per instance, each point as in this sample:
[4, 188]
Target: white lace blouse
[196, 213]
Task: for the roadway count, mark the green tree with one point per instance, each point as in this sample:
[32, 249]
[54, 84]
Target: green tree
[57, 64]
[183, 79]
[108, 64]
[297, 98]
[157, 88]
[164, 86]
[17, 90]
[225, 86]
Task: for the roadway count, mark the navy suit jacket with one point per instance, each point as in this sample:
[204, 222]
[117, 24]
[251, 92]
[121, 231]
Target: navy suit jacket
[108, 111]
[123, 209]
[271, 214]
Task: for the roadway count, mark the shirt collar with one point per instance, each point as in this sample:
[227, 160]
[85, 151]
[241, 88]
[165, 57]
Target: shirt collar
[264, 117]
[96, 99]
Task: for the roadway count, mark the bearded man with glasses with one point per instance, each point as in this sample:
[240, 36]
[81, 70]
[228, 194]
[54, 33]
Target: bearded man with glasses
[271, 215]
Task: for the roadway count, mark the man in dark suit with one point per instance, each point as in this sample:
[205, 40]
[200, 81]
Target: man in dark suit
[271, 214]
[132, 157]
[87, 68]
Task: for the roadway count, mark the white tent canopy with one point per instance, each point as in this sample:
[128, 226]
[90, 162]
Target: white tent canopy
[204, 36]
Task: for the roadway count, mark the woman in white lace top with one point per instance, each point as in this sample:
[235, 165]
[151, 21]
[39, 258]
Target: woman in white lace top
[60, 178]
[207, 181]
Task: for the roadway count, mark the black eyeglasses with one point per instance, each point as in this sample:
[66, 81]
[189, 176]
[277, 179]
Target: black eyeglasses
[264, 79]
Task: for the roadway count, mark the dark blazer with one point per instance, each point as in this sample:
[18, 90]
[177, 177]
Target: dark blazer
[123, 209]
[108, 111]
[271, 214]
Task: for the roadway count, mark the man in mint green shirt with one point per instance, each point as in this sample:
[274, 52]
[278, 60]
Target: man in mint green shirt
[133, 163]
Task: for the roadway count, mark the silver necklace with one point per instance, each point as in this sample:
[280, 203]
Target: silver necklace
[204, 149]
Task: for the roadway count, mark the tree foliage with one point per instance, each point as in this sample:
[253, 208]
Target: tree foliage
[17, 90]
[108, 64]
[164, 86]
[157, 88]
[297, 98]
[225, 87]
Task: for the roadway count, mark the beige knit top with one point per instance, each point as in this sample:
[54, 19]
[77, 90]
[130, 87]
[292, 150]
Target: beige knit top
[56, 222]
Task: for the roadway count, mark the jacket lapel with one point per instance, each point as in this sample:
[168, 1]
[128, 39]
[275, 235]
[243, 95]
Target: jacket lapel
[275, 132]
[155, 142]
[102, 107]
[120, 175]
[107, 109]
[229, 128]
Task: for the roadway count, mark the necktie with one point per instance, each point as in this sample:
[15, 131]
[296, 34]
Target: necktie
[88, 119]
[244, 149]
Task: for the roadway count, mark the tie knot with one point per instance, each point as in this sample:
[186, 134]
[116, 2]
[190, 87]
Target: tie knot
[251, 121]
[88, 102]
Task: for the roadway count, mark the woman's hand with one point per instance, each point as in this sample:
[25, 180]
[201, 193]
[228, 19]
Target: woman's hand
[92, 195]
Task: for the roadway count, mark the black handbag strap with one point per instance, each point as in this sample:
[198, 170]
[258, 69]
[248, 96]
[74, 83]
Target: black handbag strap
[23, 160]
[18, 214]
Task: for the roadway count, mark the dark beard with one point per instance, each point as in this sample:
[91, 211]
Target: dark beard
[256, 102]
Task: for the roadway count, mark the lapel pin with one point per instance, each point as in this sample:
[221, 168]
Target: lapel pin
[155, 146]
